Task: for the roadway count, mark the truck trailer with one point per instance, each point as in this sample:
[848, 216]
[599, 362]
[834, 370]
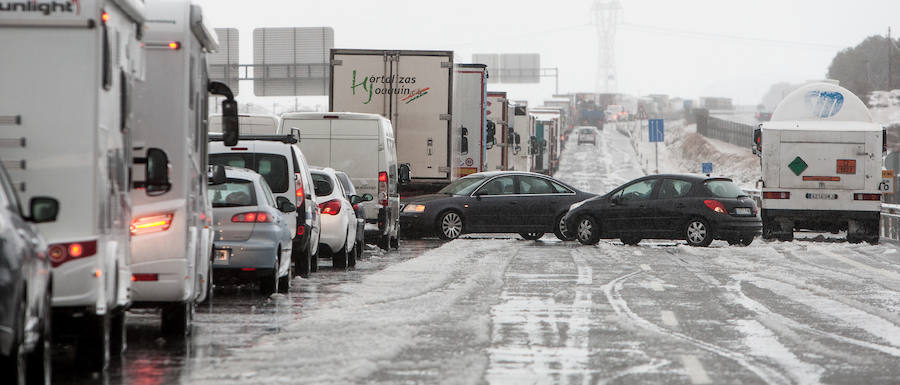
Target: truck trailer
[469, 119]
[497, 139]
[821, 158]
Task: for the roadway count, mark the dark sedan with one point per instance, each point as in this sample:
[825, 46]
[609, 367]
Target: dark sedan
[525, 203]
[694, 208]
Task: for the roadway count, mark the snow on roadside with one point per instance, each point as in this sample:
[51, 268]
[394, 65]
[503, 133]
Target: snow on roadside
[361, 332]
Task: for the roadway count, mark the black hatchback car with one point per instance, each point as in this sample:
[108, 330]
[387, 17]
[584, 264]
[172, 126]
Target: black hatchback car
[525, 203]
[694, 208]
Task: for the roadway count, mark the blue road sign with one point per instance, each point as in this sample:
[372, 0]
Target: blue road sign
[707, 168]
[657, 130]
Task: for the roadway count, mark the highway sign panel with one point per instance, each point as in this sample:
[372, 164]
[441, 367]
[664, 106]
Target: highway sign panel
[707, 168]
[657, 130]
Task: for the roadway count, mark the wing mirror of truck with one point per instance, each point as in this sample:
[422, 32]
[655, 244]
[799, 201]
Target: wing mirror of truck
[285, 205]
[757, 141]
[464, 141]
[43, 210]
[217, 175]
[491, 132]
[404, 172]
[230, 120]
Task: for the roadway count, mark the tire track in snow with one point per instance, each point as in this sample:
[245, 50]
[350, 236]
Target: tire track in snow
[612, 290]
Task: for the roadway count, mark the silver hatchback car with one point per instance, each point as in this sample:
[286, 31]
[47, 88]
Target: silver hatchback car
[252, 237]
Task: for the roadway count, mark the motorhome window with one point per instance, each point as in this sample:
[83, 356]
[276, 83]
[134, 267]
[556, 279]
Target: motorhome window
[724, 189]
[322, 184]
[192, 84]
[272, 167]
[107, 60]
[233, 193]
[125, 100]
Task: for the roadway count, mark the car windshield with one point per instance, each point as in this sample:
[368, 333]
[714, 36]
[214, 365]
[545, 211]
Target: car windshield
[233, 193]
[273, 167]
[462, 186]
[586, 131]
[724, 189]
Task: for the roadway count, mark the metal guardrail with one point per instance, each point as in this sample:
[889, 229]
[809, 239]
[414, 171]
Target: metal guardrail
[890, 216]
[739, 134]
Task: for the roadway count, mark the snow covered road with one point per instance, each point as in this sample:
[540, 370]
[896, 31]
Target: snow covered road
[507, 311]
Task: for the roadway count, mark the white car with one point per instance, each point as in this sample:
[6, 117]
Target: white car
[338, 236]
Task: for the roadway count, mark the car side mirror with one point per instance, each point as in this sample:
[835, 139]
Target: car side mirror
[405, 172]
[43, 209]
[354, 199]
[217, 175]
[614, 200]
[367, 198]
[156, 172]
[285, 205]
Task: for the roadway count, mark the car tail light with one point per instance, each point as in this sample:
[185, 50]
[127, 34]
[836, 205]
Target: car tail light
[63, 252]
[144, 277]
[332, 207]
[776, 195]
[715, 205]
[252, 217]
[356, 207]
[301, 230]
[300, 193]
[151, 224]
[866, 197]
[383, 188]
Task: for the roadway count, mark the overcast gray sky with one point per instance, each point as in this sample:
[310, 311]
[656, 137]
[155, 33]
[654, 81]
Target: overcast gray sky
[686, 48]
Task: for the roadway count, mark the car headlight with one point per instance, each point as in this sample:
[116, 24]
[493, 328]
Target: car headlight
[414, 208]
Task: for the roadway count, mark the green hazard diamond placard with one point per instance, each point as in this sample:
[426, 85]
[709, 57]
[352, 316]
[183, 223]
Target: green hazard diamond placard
[798, 166]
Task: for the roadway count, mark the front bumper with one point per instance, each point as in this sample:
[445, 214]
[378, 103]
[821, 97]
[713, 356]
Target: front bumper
[417, 224]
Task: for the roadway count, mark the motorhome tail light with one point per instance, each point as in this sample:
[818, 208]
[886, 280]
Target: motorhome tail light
[252, 217]
[144, 277]
[151, 224]
[866, 197]
[63, 252]
[383, 188]
[715, 205]
[104, 16]
[174, 45]
[332, 207]
[776, 195]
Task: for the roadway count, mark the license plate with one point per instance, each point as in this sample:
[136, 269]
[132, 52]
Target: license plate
[821, 196]
[743, 211]
[222, 257]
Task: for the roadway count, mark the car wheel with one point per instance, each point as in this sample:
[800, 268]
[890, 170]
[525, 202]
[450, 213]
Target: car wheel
[747, 240]
[118, 338]
[284, 283]
[177, 318]
[697, 232]
[314, 262]
[93, 346]
[631, 241]
[395, 243]
[588, 230]
[561, 231]
[302, 262]
[450, 226]
[339, 259]
[13, 368]
[385, 242]
[531, 236]
[351, 256]
[269, 285]
[37, 364]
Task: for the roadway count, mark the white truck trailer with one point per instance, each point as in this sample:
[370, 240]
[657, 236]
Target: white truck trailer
[497, 132]
[521, 157]
[469, 120]
[413, 89]
[171, 244]
[68, 71]
[821, 157]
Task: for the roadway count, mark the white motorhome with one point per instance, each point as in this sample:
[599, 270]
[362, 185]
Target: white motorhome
[79, 59]
[412, 89]
[171, 244]
[522, 132]
[469, 123]
[821, 157]
[497, 129]
[249, 124]
[363, 146]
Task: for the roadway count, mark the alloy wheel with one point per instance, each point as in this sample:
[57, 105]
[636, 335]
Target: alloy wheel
[451, 225]
[585, 228]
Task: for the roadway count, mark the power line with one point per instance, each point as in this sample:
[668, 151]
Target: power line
[697, 34]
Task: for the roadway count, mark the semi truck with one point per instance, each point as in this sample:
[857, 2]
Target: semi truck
[821, 158]
[497, 139]
[469, 120]
[414, 90]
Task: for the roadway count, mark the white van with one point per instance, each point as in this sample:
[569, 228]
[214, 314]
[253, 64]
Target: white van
[80, 60]
[362, 145]
[250, 124]
[171, 244]
[821, 157]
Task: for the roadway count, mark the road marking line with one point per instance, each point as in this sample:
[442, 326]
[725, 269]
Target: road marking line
[645, 267]
[695, 370]
[668, 318]
[656, 286]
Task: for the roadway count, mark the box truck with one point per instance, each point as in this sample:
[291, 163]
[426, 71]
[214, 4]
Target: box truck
[69, 68]
[496, 143]
[469, 121]
[412, 89]
[171, 235]
[546, 142]
[821, 157]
